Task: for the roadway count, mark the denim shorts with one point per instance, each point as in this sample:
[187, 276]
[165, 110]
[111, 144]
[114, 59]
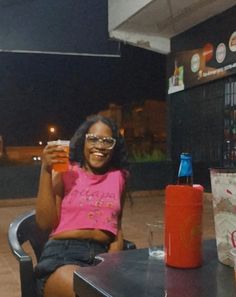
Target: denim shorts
[59, 252]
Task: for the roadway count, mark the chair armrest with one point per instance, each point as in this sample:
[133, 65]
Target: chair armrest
[14, 244]
[25, 261]
[129, 245]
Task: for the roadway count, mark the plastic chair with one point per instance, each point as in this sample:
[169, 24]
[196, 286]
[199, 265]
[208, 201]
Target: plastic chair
[24, 229]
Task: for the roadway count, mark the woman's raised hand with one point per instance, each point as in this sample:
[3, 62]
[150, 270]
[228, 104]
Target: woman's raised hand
[53, 154]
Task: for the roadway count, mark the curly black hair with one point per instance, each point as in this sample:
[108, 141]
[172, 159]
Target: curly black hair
[119, 158]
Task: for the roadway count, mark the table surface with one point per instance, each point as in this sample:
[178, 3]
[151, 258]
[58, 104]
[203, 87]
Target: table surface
[134, 273]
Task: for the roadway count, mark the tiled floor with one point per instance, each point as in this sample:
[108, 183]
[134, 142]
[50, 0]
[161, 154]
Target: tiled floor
[146, 207]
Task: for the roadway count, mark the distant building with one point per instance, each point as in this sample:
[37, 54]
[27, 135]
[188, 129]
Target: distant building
[25, 154]
[144, 126]
[113, 112]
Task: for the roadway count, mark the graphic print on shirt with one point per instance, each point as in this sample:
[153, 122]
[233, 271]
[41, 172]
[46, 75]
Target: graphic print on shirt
[91, 201]
[96, 203]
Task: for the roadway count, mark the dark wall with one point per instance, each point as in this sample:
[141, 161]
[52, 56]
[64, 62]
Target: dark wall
[22, 181]
[196, 115]
[19, 181]
[151, 175]
[196, 126]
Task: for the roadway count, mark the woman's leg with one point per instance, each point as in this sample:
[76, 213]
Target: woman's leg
[60, 282]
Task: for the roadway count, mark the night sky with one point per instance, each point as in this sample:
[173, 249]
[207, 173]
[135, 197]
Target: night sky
[37, 90]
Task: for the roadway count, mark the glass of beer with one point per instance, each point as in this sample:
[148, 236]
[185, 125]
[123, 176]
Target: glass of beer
[61, 167]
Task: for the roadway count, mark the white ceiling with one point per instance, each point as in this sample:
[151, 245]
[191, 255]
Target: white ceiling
[152, 25]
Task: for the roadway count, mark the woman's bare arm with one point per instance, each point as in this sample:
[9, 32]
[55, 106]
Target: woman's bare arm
[50, 191]
[118, 243]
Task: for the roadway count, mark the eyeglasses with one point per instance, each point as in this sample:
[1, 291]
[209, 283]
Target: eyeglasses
[107, 142]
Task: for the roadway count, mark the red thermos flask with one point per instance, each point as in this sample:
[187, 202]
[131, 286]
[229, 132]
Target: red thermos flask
[183, 225]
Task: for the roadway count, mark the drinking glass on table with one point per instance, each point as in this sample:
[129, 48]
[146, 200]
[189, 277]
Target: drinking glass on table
[155, 240]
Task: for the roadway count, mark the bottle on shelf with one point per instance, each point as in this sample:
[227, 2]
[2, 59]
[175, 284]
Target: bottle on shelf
[185, 173]
[176, 74]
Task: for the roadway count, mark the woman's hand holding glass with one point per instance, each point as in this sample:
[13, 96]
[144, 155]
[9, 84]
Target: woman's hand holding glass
[55, 156]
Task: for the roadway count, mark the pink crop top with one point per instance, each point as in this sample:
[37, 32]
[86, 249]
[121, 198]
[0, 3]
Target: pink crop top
[91, 201]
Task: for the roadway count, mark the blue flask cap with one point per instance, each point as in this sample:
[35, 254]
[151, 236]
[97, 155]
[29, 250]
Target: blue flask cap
[185, 168]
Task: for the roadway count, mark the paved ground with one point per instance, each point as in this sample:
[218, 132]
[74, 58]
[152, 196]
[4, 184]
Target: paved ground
[146, 207]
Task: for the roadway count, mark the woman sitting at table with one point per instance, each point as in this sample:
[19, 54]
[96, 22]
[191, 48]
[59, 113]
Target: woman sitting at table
[81, 207]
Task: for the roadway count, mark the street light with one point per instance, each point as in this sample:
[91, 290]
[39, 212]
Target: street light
[52, 132]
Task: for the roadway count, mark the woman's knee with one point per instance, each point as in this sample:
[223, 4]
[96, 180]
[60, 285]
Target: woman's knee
[60, 282]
